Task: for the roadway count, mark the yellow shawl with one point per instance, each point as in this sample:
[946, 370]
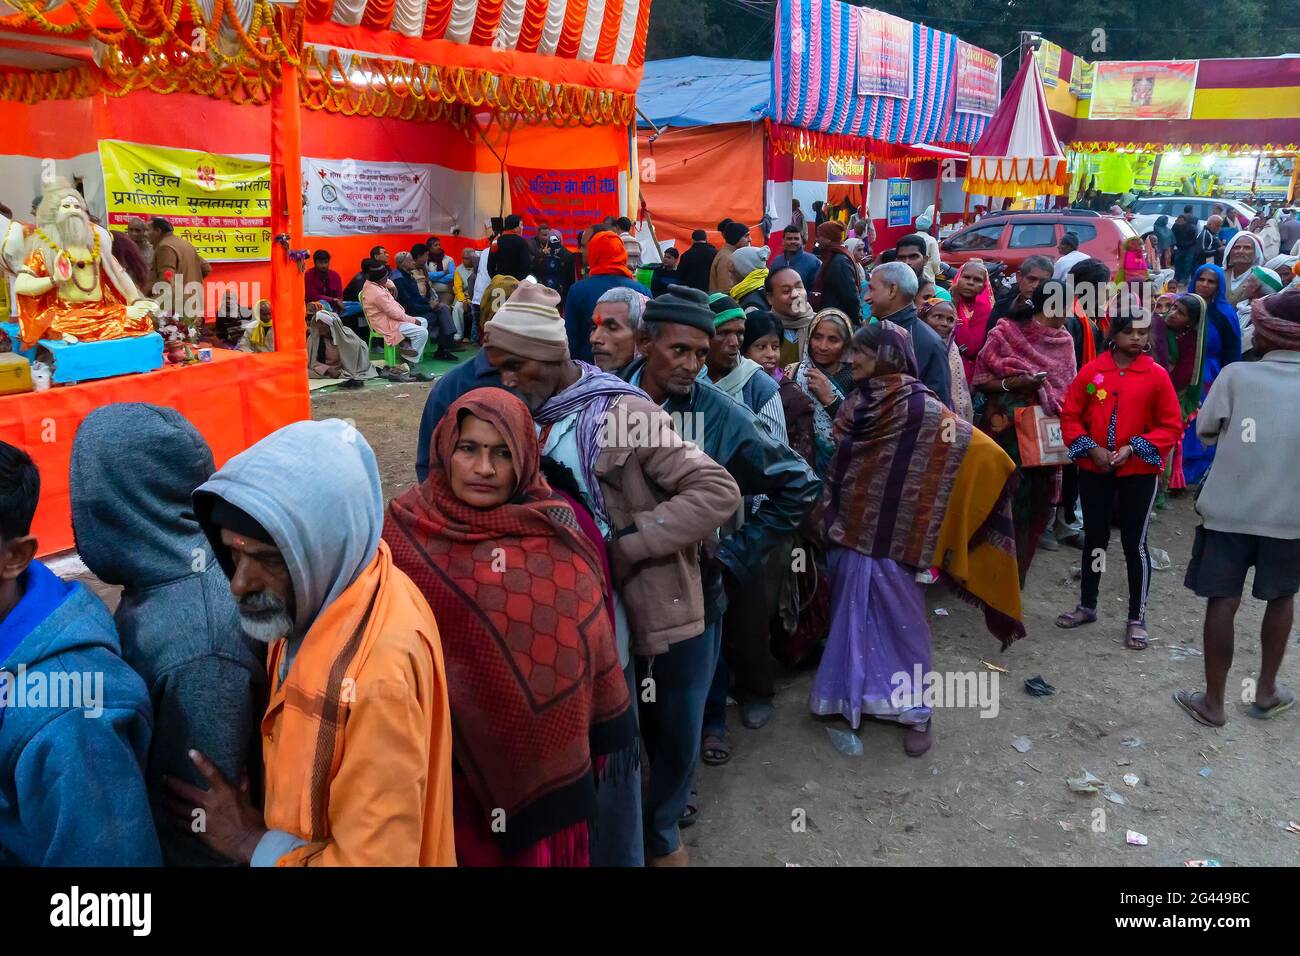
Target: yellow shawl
[976, 548]
[749, 284]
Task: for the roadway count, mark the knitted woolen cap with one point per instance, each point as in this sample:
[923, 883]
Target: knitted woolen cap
[725, 309]
[530, 325]
[681, 305]
[733, 231]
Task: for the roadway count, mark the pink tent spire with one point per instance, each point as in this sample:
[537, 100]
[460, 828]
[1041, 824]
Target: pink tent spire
[1019, 154]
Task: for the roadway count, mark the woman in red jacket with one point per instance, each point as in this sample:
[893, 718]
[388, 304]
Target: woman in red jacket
[1121, 420]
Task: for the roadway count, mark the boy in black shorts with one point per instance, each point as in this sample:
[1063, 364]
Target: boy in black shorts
[1250, 510]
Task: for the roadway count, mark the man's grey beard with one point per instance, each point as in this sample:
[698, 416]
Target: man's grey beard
[264, 617]
[73, 229]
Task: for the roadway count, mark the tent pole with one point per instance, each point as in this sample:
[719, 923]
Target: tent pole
[938, 197]
[286, 212]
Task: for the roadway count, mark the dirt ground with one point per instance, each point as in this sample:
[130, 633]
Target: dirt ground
[973, 799]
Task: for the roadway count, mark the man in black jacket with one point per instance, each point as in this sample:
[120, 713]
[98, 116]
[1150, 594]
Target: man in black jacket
[837, 280]
[674, 344]
[1034, 271]
[1186, 231]
[1211, 245]
[512, 257]
[693, 270]
[891, 294]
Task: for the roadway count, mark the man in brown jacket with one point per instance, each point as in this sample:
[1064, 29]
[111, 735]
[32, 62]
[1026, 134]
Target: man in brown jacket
[177, 264]
[737, 236]
[656, 498]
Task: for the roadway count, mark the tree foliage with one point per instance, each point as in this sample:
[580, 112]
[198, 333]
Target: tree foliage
[1174, 29]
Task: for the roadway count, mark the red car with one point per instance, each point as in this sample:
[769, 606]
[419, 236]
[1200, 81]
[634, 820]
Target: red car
[1013, 236]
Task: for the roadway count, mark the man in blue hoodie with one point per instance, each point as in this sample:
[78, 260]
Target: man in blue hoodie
[134, 469]
[74, 718]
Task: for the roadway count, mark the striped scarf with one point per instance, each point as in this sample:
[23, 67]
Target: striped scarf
[888, 485]
[590, 397]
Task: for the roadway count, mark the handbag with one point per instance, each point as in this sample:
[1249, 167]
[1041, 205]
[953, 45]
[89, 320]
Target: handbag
[1039, 437]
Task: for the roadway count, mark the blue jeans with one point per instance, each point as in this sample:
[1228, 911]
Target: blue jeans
[617, 839]
[671, 726]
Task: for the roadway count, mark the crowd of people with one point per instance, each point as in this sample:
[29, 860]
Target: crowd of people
[627, 506]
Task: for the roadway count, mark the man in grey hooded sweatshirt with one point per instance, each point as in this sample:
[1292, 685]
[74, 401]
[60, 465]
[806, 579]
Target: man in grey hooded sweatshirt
[134, 469]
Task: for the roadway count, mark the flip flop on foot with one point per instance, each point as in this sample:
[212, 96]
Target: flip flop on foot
[715, 749]
[1076, 618]
[1192, 703]
[692, 809]
[1283, 701]
[1136, 637]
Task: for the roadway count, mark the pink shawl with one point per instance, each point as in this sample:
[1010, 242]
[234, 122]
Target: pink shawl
[972, 321]
[1015, 348]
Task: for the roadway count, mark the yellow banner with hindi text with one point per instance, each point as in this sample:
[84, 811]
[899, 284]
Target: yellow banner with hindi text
[221, 204]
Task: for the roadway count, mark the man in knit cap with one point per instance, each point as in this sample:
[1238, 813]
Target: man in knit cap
[655, 498]
[674, 343]
[736, 236]
[742, 378]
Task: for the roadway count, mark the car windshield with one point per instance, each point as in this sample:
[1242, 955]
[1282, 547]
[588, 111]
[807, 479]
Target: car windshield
[981, 237]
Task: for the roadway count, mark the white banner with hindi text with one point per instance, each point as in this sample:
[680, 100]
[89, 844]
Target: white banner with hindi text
[348, 197]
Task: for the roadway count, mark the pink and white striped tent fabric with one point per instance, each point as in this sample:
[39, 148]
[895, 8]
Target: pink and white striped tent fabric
[1019, 154]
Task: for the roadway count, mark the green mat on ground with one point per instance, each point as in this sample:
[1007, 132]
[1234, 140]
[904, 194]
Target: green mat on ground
[427, 365]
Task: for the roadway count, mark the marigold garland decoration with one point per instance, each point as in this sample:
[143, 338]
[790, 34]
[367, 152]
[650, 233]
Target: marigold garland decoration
[159, 49]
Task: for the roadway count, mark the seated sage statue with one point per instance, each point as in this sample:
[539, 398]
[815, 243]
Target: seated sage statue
[69, 284]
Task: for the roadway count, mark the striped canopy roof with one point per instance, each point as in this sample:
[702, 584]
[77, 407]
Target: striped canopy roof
[814, 82]
[594, 43]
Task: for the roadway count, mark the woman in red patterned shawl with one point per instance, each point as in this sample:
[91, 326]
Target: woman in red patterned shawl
[539, 705]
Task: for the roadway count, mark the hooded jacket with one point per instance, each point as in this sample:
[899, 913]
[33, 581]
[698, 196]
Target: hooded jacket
[357, 735]
[72, 789]
[134, 468]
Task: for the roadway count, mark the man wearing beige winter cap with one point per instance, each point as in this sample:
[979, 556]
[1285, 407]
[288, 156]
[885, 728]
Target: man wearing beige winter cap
[655, 498]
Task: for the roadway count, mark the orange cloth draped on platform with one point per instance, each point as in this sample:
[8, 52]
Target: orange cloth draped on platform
[49, 317]
[234, 400]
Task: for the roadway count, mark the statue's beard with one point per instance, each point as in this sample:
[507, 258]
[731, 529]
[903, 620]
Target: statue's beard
[73, 230]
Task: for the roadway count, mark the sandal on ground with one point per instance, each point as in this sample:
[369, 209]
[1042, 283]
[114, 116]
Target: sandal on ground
[917, 740]
[1183, 698]
[715, 748]
[1285, 701]
[692, 809]
[1136, 637]
[1077, 618]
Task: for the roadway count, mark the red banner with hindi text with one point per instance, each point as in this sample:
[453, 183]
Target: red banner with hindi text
[567, 200]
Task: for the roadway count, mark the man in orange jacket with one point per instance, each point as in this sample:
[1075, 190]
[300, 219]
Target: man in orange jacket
[357, 734]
